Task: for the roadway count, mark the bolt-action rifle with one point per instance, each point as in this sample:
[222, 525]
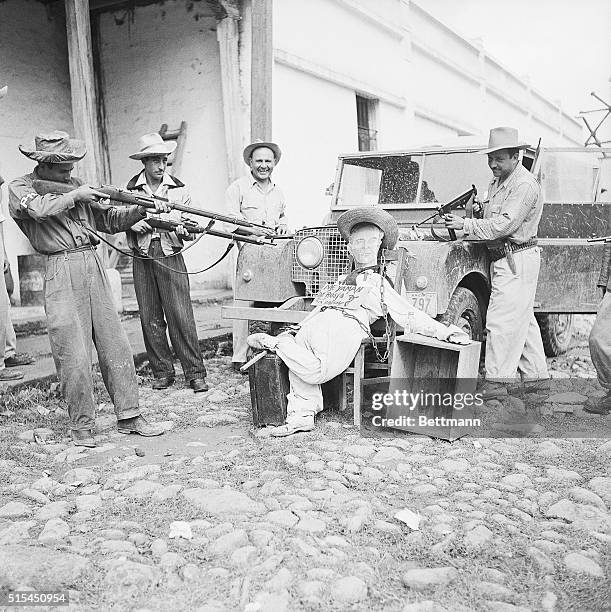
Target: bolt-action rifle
[194, 228]
[246, 231]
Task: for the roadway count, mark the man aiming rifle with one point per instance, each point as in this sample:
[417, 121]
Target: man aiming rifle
[244, 230]
[78, 301]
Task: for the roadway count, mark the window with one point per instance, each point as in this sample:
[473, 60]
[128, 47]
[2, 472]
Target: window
[366, 123]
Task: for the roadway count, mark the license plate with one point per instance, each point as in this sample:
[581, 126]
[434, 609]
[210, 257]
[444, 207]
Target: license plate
[423, 300]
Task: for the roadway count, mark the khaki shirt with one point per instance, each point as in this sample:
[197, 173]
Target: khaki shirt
[176, 192]
[55, 223]
[513, 209]
[246, 198]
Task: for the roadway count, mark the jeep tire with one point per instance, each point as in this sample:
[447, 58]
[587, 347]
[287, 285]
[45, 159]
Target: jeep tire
[465, 311]
[556, 332]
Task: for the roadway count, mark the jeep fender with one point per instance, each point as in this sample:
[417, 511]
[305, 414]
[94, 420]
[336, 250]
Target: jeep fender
[447, 265]
[263, 273]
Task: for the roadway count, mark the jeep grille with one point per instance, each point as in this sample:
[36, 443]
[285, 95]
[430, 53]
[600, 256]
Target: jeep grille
[334, 263]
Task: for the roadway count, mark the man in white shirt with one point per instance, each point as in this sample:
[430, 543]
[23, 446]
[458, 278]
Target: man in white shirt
[258, 199]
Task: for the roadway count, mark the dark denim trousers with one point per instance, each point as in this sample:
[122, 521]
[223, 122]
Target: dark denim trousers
[164, 301]
[80, 314]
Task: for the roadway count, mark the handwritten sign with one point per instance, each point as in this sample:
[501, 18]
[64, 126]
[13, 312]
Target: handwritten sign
[340, 296]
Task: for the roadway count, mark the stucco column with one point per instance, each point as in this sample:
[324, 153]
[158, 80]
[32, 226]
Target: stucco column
[262, 67]
[227, 33]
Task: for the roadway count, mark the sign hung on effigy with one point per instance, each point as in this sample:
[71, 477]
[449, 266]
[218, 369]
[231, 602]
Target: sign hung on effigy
[340, 295]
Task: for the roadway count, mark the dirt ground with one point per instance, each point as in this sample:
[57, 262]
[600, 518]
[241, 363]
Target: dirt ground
[215, 516]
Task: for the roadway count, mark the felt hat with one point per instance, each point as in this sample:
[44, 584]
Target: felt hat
[55, 148]
[258, 144]
[503, 138]
[151, 145]
[369, 214]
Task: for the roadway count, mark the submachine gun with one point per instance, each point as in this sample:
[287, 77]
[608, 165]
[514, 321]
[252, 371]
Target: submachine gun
[463, 201]
[246, 231]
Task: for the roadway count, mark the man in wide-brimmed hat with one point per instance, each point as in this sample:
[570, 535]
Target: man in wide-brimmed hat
[511, 215]
[328, 339]
[256, 198]
[78, 300]
[161, 282]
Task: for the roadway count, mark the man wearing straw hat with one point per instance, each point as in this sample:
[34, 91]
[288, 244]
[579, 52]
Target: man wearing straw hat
[328, 339]
[511, 216]
[162, 283]
[78, 299]
[257, 198]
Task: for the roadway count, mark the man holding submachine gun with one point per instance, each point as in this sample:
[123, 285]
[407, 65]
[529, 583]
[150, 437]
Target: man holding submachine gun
[511, 216]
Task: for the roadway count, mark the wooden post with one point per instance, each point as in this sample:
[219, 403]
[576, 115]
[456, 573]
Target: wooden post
[261, 72]
[227, 33]
[92, 168]
[83, 88]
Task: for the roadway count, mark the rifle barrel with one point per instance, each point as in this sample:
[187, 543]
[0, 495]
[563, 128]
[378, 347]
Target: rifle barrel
[128, 197]
[193, 228]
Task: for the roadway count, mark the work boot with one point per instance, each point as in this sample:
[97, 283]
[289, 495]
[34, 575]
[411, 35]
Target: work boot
[600, 405]
[492, 390]
[8, 375]
[18, 359]
[288, 430]
[163, 383]
[532, 385]
[138, 425]
[83, 437]
[198, 385]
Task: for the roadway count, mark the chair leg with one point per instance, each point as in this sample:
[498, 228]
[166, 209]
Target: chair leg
[359, 374]
[343, 395]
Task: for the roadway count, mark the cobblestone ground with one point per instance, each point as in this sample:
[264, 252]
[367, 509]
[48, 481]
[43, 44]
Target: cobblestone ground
[212, 517]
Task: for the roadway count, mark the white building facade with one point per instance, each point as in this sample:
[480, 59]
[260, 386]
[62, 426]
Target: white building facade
[320, 77]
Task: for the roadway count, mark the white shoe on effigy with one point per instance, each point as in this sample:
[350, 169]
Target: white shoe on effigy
[262, 341]
[288, 430]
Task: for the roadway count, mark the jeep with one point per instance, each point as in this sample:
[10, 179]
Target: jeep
[449, 279]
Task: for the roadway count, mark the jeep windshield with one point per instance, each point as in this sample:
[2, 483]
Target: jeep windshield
[412, 181]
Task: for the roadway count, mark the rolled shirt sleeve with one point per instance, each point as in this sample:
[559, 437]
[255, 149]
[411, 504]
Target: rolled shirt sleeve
[25, 203]
[114, 219]
[504, 222]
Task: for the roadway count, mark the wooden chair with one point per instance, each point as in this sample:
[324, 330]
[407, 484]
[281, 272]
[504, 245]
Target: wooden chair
[361, 366]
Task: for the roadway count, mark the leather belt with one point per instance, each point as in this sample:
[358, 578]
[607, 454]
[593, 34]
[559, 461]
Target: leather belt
[85, 247]
[514, 247]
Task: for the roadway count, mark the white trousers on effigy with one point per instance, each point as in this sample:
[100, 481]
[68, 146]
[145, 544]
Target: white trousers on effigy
[322, 349]
[513, 342]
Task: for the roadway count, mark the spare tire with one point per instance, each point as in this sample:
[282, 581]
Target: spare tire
[464, 311]
[556, 332]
